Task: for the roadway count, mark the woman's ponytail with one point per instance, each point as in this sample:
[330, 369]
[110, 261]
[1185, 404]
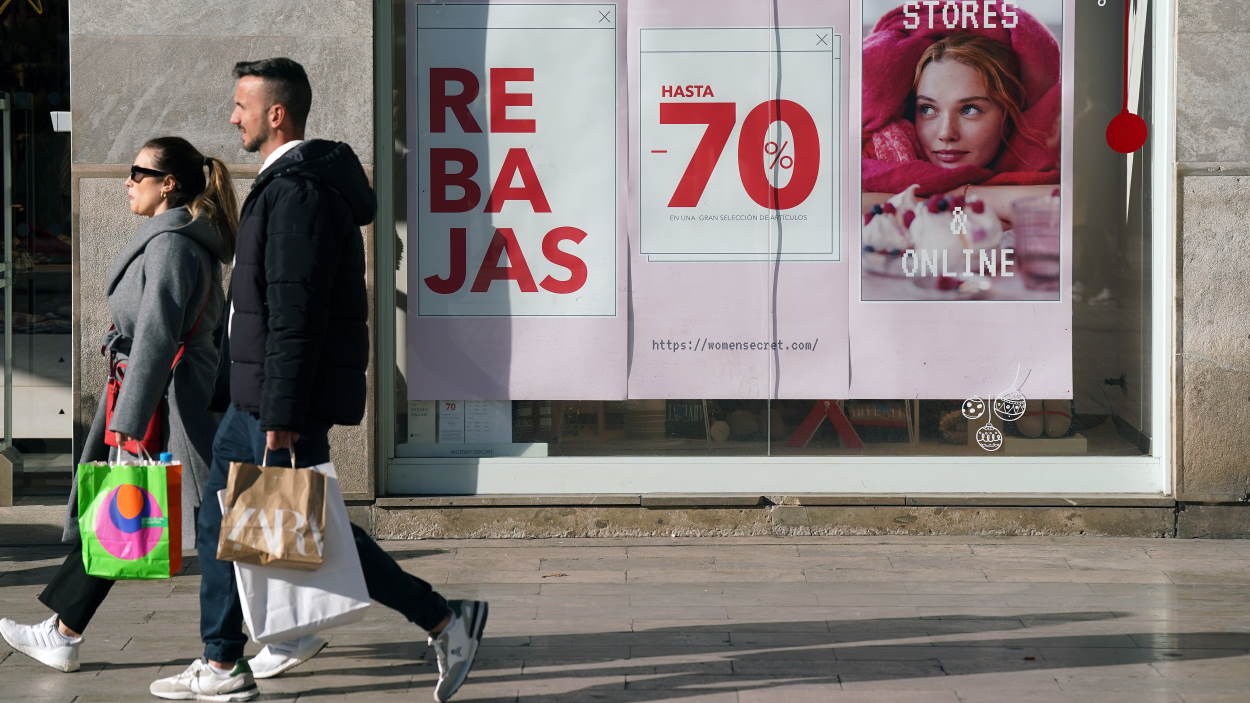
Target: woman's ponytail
[217, 202]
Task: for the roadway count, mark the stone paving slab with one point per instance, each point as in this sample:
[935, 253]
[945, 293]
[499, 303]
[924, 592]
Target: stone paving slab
[738, 620]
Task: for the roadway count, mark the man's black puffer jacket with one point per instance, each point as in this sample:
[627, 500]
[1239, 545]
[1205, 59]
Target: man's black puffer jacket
[299, 340]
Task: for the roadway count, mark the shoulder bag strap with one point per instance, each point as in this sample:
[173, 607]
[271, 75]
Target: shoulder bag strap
[208, 294]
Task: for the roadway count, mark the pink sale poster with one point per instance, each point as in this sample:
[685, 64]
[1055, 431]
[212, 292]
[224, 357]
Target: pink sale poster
[965, 255]
[516, 269]
[738, 273]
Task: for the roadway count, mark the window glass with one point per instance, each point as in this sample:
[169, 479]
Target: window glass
[1108, 415]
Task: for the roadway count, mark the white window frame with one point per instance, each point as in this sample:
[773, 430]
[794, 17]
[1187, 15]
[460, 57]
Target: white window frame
[1152, 474]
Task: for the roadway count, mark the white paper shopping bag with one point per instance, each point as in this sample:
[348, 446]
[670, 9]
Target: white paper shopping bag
[283, 604]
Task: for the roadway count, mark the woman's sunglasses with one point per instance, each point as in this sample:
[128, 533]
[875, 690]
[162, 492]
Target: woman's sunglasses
[137, 173]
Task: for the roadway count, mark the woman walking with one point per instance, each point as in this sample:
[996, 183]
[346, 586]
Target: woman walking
[164, 294]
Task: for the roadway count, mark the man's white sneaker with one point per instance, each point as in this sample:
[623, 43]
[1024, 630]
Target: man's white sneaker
[200, 682]
[456, 646]
[283, 656]
[43, 642]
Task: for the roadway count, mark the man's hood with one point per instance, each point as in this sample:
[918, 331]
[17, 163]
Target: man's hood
[332, 164]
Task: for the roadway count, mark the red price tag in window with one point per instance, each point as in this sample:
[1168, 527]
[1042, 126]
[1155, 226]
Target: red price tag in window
[733, 164]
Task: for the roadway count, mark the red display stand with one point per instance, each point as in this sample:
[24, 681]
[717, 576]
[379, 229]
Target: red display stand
[822, 409]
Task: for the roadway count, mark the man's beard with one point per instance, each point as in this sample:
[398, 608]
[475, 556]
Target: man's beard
[252, 145]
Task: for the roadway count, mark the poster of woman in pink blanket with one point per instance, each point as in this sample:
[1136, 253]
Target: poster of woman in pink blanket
[960, 150]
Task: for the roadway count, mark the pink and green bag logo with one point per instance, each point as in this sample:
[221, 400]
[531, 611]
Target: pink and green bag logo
[130, 524]
[130, 520]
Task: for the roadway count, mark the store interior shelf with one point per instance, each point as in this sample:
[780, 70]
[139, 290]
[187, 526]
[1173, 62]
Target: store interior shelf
[43, 268]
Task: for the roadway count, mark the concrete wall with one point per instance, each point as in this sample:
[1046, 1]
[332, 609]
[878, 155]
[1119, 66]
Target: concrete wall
[1213, 337]
[141, 69]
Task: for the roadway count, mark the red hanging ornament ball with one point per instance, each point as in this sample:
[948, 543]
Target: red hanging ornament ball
[1127, 132]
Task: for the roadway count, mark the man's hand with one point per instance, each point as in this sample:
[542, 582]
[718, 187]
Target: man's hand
[280, 439]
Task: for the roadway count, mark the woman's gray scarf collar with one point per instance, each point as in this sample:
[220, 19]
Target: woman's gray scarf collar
[171, 219]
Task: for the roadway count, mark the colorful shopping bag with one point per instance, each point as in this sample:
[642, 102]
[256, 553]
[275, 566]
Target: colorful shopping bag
[130, 520]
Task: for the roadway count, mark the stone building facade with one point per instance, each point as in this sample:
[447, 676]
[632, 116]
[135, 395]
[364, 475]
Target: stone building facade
[143, 69]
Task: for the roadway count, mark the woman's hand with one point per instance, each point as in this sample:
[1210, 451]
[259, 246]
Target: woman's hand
[123, 439]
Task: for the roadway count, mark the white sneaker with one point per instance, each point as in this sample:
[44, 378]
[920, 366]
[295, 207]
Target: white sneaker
[43, 642]
[200, 682]
[282, 656]
[456, 646]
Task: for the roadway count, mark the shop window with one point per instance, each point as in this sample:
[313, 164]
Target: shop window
[1106, 411]
[34, 73]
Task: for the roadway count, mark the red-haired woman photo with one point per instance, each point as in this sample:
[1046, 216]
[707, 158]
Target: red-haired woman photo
[970, 111]
[960, 150]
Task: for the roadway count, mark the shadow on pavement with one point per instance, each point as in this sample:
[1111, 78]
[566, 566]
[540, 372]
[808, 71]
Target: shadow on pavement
[758, 656]
[682, 661]
[16, 538]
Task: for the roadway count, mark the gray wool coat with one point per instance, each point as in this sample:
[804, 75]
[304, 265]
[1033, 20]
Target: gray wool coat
[168, 275]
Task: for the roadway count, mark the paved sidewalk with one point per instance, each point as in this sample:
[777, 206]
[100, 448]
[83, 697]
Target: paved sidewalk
[890, 619]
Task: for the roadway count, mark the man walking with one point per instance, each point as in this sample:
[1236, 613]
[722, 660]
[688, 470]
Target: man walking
[297, 348]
